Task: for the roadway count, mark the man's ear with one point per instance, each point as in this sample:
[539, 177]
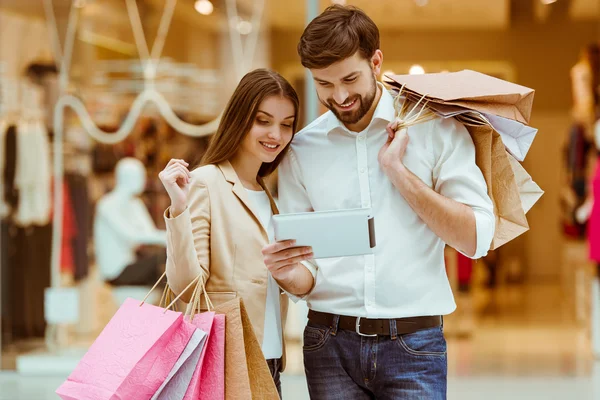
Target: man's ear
[377, 62]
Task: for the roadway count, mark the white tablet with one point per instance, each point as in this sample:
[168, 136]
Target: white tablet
[339, 233]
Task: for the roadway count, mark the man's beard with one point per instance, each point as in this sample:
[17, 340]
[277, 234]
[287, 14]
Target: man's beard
[364, 105]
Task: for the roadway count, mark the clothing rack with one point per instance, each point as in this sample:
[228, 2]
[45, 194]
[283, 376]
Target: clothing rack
[149, 96]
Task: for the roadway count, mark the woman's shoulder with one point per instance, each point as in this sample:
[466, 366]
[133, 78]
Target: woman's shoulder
[207, 175]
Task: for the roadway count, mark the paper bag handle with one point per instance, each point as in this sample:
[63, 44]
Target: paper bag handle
[196, 299]
[167, 292]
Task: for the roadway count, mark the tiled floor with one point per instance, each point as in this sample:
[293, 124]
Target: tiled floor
[13, 387]
[525, 347]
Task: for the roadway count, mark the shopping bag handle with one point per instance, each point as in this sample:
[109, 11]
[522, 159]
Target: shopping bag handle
[196, 299]
[167, 292]
[404, 117]
[154, 287]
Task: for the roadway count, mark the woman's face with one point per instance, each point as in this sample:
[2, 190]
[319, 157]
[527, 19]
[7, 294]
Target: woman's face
[272, 129]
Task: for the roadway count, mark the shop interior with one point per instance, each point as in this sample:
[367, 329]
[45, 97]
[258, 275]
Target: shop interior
[528, 317]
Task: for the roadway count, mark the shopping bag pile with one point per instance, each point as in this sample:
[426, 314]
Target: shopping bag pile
[154, 352]
[496, 113]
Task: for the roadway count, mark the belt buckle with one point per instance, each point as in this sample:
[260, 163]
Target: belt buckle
[358, 329]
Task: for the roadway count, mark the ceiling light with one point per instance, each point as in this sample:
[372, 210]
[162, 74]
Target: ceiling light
[416, 70]
[340, 2]
[244, 27]
[421, 3]
[546, 2]
[204, 7]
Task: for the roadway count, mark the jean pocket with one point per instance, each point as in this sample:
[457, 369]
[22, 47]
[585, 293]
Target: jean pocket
[426, 342]
[315, 336]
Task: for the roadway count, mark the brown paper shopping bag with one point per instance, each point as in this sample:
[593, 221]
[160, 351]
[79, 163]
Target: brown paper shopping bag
[529, 191]
[491, 157]
[247, 374]
[471, 90]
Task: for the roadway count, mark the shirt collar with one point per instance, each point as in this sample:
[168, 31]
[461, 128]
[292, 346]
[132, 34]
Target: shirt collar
[384, 111]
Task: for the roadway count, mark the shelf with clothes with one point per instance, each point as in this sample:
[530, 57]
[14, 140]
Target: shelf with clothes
[25, 204]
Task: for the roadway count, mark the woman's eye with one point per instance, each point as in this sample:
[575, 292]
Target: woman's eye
[287, 125]
[263, 122]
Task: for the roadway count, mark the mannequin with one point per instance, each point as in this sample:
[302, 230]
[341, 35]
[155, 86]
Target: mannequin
[584, 79]
[123, 227]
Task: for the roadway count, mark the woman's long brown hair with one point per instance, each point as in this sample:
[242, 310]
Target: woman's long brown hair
[240, 114]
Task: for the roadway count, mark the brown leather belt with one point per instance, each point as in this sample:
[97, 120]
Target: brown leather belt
[374, 327]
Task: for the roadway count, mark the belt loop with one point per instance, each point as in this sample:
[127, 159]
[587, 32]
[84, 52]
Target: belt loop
[335, 324]
[393, 329]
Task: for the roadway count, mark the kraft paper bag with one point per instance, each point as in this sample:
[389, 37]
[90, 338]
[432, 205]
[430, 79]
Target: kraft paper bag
[529, 191]
[473, 90]
[247, 374]
[510, 187]
[492, 158]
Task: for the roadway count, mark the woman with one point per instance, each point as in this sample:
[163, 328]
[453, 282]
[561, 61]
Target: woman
[220, 214]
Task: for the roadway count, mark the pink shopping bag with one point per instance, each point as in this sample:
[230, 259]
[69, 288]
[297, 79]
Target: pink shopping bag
[205, 323]
[132, 357]
[212, 378]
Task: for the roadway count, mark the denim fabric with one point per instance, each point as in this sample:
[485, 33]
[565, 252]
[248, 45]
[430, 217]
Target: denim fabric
[341, 364]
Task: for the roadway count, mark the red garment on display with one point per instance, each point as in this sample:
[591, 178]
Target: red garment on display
[69, 231]
[465, 268]
[594, 221]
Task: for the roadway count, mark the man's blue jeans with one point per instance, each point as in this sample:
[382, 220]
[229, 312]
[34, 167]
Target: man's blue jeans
[341, 364]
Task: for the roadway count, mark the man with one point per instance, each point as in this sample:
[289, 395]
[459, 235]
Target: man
[375, 322]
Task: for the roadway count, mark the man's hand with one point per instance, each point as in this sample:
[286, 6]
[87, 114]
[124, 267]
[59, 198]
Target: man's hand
[283, 261]
[392, 153]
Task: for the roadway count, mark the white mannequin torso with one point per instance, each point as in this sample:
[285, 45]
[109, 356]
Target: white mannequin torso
[123, 223]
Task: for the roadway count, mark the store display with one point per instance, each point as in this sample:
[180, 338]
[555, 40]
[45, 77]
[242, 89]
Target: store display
[122, 224]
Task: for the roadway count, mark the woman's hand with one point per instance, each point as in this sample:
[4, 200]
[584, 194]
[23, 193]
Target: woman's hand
[176, 179]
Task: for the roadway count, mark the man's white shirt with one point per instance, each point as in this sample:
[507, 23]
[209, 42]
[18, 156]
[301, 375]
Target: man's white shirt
[329, 167]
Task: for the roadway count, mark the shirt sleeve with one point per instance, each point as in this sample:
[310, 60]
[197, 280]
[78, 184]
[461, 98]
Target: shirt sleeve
[293, 198]
[457, 176]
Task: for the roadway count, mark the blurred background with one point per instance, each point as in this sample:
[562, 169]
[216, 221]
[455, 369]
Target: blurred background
[528, 318]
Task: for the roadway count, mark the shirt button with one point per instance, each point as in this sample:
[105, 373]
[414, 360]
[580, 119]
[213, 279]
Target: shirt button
[361, 138]
[362, 170]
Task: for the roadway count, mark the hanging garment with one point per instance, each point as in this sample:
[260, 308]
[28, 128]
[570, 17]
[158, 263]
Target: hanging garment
[32, 178]
[82, 209]
[4, 208]
[29, 276]
[465, 269]
[10, 194]
[69, 233]
[577, 151]
[594, 221]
